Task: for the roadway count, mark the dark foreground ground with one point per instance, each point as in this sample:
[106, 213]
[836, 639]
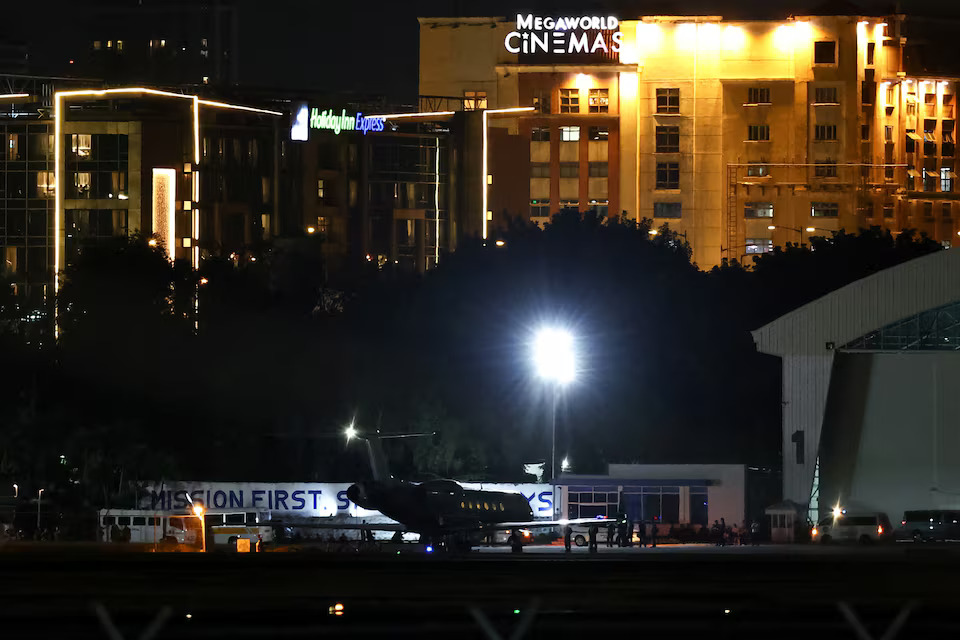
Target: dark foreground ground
[670, 592]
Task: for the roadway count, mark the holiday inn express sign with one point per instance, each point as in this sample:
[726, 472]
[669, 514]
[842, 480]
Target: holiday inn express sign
[307, 118]
[563, 35]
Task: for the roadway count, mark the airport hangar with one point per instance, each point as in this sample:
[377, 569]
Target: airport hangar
[870, 401]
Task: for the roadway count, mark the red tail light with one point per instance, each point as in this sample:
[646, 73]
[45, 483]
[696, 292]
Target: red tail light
[879, 529]
[903, 523]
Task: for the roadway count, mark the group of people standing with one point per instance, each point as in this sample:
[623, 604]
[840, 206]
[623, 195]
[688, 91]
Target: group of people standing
[722, 535]
[619, 533]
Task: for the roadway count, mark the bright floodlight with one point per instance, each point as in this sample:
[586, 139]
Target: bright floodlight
[565, 464]
[553, 355]
[837, 511]
[351, 432]
[198, 510]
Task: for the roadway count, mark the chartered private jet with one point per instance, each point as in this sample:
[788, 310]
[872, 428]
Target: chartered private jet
[441, 511]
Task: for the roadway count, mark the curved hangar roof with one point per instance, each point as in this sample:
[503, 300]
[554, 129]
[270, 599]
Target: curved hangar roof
[865, 305]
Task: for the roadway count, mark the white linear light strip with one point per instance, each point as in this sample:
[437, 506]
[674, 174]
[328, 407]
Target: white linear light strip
[239, 107]
[422, 114]
[4, 96]
[483, 183]
[436, 203]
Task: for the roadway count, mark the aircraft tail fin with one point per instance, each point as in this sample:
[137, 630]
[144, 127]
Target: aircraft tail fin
[378, 459]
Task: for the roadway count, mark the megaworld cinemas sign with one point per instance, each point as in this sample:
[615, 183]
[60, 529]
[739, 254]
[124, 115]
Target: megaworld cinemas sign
[307, 499]
[564, 35]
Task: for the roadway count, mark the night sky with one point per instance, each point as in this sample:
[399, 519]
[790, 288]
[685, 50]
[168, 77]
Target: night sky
[373, 47]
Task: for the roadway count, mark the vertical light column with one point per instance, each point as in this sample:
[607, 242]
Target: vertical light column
[196, 183]
[164, 208]
[57, 189]
[436, 203]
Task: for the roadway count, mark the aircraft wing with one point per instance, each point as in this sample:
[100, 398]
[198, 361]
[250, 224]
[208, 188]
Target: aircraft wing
[549, 523]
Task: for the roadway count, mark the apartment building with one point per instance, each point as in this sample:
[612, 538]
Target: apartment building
[742, 135]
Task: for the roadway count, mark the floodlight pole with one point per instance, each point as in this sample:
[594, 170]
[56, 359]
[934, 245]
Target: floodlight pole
[553, 446]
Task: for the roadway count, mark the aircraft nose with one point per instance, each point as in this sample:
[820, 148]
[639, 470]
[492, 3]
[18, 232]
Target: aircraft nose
[358, 495]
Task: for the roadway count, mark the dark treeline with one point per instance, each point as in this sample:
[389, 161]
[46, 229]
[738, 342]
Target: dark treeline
[251, 370]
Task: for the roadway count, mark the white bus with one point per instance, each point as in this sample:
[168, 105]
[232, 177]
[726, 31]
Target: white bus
[147, 527]
[223, 528]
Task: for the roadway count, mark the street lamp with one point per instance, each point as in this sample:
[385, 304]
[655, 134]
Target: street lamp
[350, 432]
[198, 511]
[554, 358]
[39, 498]
[16, 490]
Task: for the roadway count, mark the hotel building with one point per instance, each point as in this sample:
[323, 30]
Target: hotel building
[741, 135]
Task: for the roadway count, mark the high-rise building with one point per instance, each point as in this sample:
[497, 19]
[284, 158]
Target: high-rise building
[741, 135]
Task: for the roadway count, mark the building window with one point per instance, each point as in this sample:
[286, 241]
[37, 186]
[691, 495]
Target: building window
[930, 179]
[891, 95]
[539, 169]
[759, 245]
[541, 101]
[758, 95]
[600, 207]
[946, 179]
[81, 184]
[888, 133]
[252, 152]
[598, 100]
[945, 211]
[540, 134]
[598, 133]
[569, 170]
[825, 52]
[927, 209]
[598, 169]
[80, 144]
[865, 132]
[825, 132]
[888, 211]
[666, 210]
[668, 175]
[825, 95]
[474, 100]
[824, 209]
[825, 169]
[96, 45]
[668, 100]
[758, 132]
[569, 134]
[119, 46]
[539, 208]
[758, 210]
[569, 101]
[320, 187]
[871, 49]
[757, 170]
[912, 138]
[322, 224]
[668, 139]
[46, 185]
[570, 204]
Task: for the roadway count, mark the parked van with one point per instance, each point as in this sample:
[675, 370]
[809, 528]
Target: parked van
[865, 528]
[929, 525]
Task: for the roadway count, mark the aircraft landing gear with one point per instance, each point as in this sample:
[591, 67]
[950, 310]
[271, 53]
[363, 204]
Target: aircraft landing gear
[516, 543]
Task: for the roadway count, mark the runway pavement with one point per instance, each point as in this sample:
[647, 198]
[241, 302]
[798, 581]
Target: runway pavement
[671, 591]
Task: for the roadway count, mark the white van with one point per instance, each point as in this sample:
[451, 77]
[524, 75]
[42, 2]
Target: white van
[865, 528]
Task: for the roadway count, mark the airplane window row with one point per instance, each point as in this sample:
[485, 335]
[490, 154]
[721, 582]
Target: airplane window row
[486, 506]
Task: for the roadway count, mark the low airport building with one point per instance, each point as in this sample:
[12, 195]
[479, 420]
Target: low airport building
[870, 410]
[669, 494]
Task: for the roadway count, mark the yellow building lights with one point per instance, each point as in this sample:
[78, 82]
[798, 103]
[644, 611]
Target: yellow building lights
[164, 204]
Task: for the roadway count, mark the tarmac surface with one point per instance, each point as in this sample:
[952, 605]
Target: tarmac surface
[675, 591]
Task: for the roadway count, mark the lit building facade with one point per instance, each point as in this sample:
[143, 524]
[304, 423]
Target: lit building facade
[741, 135]
[82, 165]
